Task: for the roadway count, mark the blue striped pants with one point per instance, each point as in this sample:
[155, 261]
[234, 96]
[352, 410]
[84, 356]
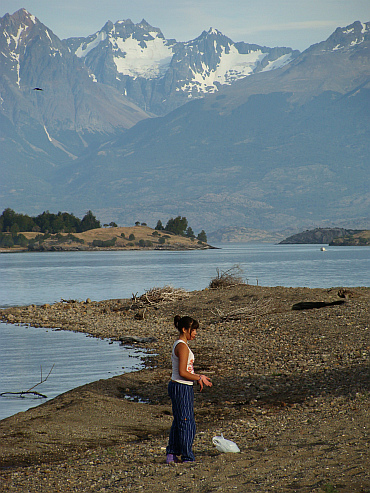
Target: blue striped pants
[183, 426]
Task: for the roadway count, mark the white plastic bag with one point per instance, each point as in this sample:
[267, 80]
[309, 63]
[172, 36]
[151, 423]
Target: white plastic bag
[223, 445]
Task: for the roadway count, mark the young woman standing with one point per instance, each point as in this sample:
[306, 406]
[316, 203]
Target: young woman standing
[181, 392]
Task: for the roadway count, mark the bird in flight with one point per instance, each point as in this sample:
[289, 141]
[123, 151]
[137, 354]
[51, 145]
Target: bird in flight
[37, 89]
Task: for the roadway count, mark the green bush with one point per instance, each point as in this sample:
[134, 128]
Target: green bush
[162, 240]
[20, 240]
[6, 241]
[104, 244]
[131, 237]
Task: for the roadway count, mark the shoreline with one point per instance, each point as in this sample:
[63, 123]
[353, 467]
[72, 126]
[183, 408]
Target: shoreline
[290, 387]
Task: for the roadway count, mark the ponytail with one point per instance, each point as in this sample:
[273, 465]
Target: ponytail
[185, 323]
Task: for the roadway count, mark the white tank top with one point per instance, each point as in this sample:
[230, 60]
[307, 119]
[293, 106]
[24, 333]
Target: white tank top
[175, 365]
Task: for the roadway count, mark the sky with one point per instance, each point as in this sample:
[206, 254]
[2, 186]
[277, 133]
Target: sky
[294, 23]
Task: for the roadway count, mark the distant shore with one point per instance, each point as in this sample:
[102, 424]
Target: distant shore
[290, 386]
[112, 238]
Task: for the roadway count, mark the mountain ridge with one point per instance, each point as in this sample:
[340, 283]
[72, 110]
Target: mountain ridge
[278, 149]
[160, 75]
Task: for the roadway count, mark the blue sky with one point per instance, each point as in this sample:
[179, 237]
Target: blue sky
[294, 23]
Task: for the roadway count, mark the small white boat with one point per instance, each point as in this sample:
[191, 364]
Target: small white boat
[323, 249]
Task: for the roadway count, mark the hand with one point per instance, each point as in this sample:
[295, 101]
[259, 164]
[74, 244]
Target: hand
[204, 381]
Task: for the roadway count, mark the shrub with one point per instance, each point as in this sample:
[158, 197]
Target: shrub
[162, 240]
[131, 237]
[6, 241]
[227, 278]
[104, 244]
[20, 240]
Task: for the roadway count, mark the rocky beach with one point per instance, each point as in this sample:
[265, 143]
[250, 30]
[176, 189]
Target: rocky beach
[291, 387]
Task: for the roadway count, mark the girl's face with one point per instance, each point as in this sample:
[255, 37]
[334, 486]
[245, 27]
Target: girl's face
[190, 334]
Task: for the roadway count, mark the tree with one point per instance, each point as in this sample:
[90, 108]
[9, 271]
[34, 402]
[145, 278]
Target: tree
[190, 233]
[113, 224]
[159, 226]
[89, 221]
[14, 229]
[177, 225]
[9, 218]
[137, 223]
[202, 236]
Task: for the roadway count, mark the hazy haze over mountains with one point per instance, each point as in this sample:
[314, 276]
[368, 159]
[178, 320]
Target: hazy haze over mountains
[247, 136]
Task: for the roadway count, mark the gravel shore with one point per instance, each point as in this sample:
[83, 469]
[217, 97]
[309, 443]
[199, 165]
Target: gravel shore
[291, 387]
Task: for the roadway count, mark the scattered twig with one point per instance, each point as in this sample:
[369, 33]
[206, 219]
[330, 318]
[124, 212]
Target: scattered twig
[251, 311]
[30, 390]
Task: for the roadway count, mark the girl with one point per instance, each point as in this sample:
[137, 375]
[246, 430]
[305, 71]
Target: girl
[181, 392]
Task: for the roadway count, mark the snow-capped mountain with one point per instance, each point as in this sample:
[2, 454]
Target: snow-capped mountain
[278, 148]
[269, 138]
[159, 74]
[344, 38]
[41, 80]
[51, 110]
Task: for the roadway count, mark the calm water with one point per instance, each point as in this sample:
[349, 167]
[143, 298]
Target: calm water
[51, 276]
[78, 359]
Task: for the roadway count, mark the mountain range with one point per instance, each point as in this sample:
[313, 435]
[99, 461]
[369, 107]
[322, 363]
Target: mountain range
[137, 127]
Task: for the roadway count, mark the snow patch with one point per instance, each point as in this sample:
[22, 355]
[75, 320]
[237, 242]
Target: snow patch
[48, 35]
[16, 38]
[47, 134]
[84, 49]
[231, 67]
[135, 61]
[278, 63]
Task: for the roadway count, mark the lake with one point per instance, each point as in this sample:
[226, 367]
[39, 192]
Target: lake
[47, 277]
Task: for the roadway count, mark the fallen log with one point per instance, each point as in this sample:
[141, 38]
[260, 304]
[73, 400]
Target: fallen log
[308, 305]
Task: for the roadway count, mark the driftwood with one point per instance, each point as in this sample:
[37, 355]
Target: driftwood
[308, 305]
[162, 295]
[30, 391]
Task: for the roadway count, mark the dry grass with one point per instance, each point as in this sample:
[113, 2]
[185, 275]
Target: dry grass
[140, 233]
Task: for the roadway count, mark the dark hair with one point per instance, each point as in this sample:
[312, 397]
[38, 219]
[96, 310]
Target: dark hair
[186, 323]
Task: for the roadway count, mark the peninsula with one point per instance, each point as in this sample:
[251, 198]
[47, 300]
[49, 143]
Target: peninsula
[111, 238]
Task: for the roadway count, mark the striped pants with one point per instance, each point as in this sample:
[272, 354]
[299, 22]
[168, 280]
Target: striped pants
[183, 426]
